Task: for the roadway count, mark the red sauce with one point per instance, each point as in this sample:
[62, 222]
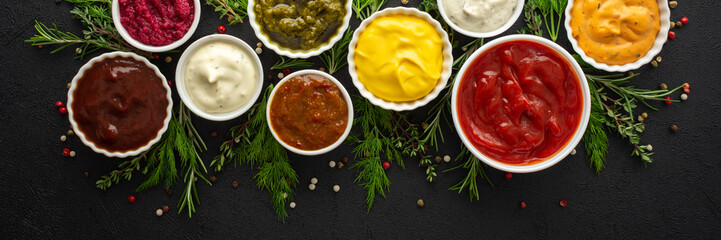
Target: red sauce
[519, 102]
[156, 22]
[309, 112]
[119, 104]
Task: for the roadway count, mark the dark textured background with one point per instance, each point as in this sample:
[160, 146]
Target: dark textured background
[44, 195]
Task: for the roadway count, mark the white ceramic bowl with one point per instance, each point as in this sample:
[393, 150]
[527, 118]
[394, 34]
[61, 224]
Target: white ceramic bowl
[81, 135]
[183, 63]
[516, 13]
[135, 43]
[661, 37]
[293, 53]
[570, 145]
[401, 106]
[340, 140]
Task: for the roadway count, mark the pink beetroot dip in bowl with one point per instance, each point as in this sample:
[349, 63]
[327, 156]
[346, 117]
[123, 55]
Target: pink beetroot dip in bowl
[156, 25]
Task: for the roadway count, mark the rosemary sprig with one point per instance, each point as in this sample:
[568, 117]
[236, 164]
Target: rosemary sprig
[335, 58]
[618, 112]
[125, 171]
[284, 63]
[475, 170]
[252, 143]
[386, 135]
[533, 20]
[233, 10]
[95, 15]
[190, 160]
[365, 8]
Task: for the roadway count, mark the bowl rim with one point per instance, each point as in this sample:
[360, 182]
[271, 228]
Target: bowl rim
[83, 137]
[149, 48]
[559, 155]
[410, 105]
[503, 28]
[283, 51]
[328, 148]
[183, 63]
[661, 37]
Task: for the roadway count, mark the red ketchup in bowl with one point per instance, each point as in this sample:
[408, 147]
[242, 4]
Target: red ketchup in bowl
[519, 102]
[156, 22]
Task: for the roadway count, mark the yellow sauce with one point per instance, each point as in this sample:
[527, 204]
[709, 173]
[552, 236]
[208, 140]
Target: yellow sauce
[399, 58]
[615, 32]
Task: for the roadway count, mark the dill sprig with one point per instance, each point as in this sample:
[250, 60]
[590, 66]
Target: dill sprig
[618, 112]
[475, 170]
[385, 135]
[552, 9]
[284, 63]
[533, 20]
[233, 10]
[365, 8]
[251, 143]
[335, 58]
[95, 15]
[595, 139]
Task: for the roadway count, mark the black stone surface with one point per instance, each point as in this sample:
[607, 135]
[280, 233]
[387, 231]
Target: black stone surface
[45, 195]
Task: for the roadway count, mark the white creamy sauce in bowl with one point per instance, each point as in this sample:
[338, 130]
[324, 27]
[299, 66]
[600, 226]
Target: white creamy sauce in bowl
[220, 77]
[479, 15]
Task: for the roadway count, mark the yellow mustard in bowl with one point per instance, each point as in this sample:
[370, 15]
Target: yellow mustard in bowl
[615, 32]
[399, 58]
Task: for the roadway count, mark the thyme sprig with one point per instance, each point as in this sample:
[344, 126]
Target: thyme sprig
[365, 8]
[251, 143]
[335, 58]
[533, 20]
[100, 32]
[295, 63]
[180, 140]
[233, 10]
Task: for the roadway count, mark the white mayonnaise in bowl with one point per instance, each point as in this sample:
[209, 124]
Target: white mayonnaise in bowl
[480, 18]
[219, 77]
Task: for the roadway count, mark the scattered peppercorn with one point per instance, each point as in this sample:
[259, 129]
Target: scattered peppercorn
[658, 59]
[66, 152]
[314, 180]
[679, 24]
[195, 179]
[72, 153]
[438, 159]
[63, 110]
[159, 212]
[668, 102]
[684, 96]
[640, 119]
[63, 138]
[311, 187]
[404, 2]
[68, 86]
[156, 56]
[259, 44]
[170, 84]
[663, 86]
[86, 174]
[673, 25]
[59, 104]
[169, 191]
[630, 74]
[270, 77]
[280, 75]
[674, 128]
[345, 159]
[446, 158]
[168, 59]
[654, 63]
[425, 125]
[131, 199]
[235, 184]
[386, 165]
[644, 115]
[643, 128]
[258, 51]
[221, 29]
[336, 188]
[292, 205]
[286, 71]
[166, 208]
[213, 179]
[649, 147]
[322, 69]
[285, 195]
[684, 20]
[213, 134]
[78, 51]
[420, 203]
[340, 165]
[686, 88]
[331, 164]
[563, 203]
[573, 152]
[509, 175]
[523, 204]
[671, 34]
[672, 4]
